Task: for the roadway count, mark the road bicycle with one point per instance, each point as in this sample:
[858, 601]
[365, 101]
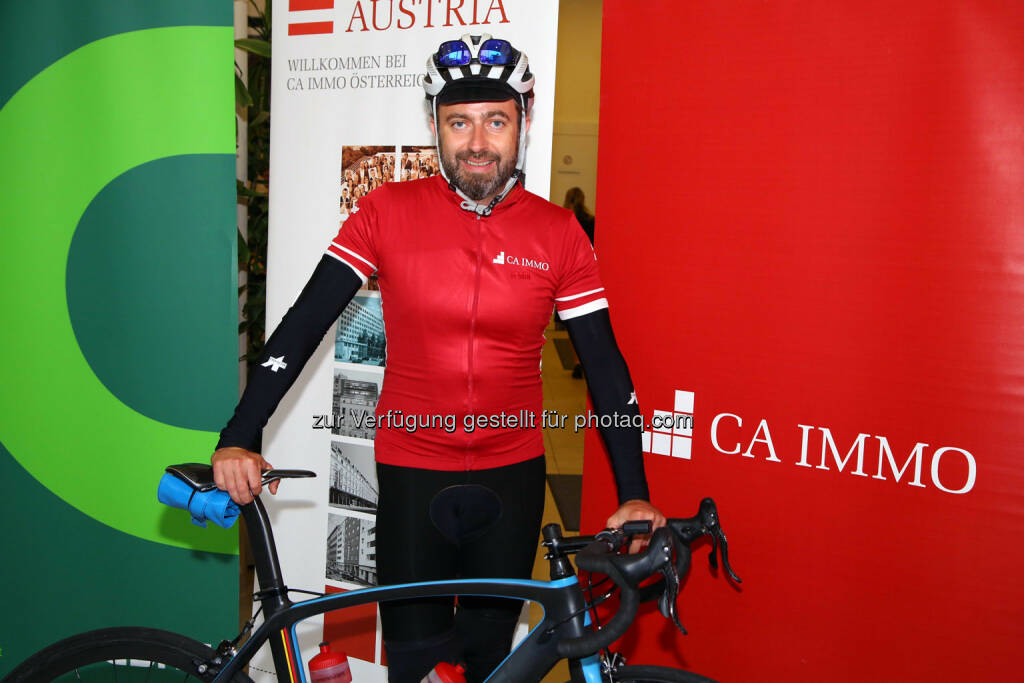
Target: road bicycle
[570, 627]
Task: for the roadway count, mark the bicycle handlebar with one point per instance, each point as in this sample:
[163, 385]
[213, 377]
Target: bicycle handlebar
[627, 571]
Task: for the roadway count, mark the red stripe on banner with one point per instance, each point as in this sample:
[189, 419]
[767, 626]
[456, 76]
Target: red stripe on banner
[301, 5]
[311, 27]
[352, 630]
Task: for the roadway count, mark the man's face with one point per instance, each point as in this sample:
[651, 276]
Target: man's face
[479, 145]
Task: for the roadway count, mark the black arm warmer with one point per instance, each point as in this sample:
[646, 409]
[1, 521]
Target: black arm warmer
[611, 391]
[330, 288]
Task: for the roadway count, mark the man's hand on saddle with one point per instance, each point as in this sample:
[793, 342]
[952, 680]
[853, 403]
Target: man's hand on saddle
[239, 472]
[634, 510]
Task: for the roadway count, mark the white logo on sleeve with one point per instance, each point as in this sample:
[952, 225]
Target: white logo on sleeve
[632, 399]
[499, 259]
[275, 364]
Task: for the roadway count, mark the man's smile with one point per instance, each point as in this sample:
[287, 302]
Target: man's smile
[478, 164]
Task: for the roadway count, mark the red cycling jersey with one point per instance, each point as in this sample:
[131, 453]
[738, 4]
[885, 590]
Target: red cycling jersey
[466, 299]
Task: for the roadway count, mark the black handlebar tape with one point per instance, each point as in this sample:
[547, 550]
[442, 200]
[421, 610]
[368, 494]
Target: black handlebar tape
[653, 591]
[627, 571]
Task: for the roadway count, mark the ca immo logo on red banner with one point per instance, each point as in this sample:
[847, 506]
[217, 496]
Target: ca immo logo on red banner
[313, 17]
[671, 431]
[950, 469]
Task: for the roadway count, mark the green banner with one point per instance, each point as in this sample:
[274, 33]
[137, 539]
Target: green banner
[117, 267]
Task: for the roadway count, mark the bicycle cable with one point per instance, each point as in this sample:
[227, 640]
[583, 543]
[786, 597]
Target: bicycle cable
[591, 602]
[551, 629]
[609, 656]
[587, 606]
[245, 629]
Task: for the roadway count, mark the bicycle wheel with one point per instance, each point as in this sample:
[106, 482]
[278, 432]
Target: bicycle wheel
[656, 674]
[123, 654]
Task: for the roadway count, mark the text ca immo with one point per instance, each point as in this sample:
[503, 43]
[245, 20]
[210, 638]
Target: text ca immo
[868, 456]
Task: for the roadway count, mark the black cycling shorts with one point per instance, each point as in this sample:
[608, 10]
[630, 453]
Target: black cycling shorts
[434, 525]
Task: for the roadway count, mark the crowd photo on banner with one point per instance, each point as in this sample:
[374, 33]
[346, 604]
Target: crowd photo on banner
[364, 168]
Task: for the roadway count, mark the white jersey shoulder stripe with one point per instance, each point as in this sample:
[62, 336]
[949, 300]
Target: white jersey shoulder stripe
[349, 251]
[590, 307]
[577, 296]
[356, 270]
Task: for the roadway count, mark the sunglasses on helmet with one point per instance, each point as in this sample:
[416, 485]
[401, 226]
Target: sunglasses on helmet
[493, 52]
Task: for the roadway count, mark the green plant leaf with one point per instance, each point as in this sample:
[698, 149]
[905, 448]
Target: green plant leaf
[255, 46]
[242, 97]
[253, 260]
[243, 250]
[244, 191]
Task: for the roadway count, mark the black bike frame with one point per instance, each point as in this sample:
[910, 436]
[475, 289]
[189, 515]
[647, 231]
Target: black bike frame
[562, 601]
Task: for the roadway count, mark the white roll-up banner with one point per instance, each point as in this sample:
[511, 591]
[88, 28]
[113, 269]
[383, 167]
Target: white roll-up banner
[349, 114]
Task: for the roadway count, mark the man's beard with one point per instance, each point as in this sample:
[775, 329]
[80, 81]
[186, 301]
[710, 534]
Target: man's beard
[477, 186]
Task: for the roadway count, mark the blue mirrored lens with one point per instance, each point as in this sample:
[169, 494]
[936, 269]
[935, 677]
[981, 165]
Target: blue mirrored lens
[453, 53]
[496, 52]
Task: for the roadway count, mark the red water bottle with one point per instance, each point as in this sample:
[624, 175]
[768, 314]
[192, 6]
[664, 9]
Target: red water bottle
[329, 666]
[445, 673]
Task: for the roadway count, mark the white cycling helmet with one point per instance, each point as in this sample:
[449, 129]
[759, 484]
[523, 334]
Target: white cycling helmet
[481, 69]
[478, 69]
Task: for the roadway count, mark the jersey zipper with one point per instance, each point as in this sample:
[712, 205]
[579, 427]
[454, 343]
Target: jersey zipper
[468, 462]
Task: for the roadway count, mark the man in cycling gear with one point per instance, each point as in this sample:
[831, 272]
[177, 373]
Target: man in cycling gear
[470, 266]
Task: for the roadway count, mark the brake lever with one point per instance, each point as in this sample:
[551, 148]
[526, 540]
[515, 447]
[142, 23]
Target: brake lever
[725, 559]
[713, 527]
[667, 603]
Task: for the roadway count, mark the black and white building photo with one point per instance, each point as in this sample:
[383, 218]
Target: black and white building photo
[355, 399]
[353, 477]
[352, 549]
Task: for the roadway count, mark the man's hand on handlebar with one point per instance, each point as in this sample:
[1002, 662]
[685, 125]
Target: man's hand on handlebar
[238, 472]
[633, 510]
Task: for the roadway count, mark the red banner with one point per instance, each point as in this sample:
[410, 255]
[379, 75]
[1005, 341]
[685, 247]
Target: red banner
[811, 227]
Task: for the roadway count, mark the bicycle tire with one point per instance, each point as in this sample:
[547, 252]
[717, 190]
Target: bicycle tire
[93, 656]
[656, 674]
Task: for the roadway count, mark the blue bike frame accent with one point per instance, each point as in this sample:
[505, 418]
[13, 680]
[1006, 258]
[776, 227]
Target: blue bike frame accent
[590, 666]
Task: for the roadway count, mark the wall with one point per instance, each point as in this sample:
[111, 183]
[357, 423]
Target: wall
[577, 94]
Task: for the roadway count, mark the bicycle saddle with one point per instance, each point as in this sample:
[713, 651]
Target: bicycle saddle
[200, 476]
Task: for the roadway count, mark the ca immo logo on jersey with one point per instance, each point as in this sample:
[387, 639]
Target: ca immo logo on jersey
[502, 260]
